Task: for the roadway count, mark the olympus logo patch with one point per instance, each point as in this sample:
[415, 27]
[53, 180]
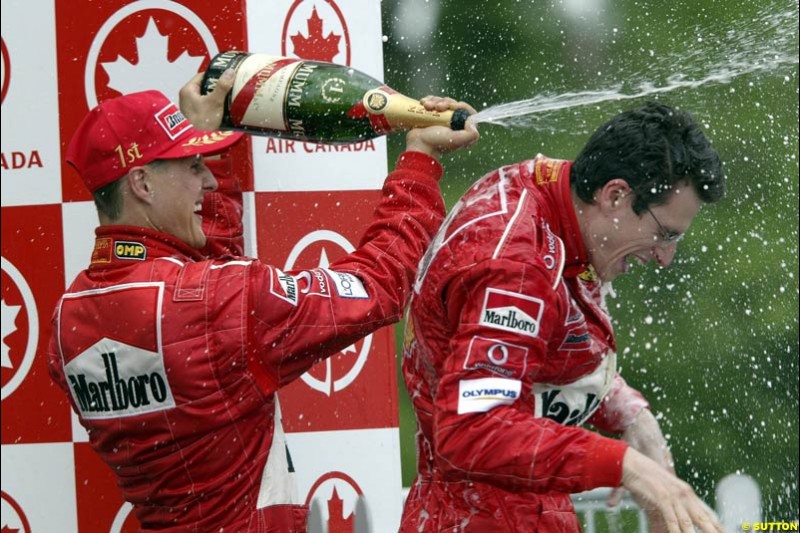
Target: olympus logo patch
[482, 395]
[114, 380]
[512, 312]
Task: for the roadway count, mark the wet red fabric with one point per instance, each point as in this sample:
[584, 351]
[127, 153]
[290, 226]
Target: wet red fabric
[509, 350]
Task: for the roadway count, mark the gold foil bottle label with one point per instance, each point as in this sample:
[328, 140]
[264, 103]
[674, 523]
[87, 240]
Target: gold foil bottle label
[376, 101]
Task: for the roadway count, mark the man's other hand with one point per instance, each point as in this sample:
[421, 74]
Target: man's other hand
[205, 111]
[438, 140]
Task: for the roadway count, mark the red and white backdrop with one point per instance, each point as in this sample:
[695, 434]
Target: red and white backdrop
[306, 205]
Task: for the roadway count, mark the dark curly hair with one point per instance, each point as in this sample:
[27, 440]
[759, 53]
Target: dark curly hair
[652, 149]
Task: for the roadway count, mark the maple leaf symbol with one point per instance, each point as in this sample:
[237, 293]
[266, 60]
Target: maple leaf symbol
[324, 262]
[153, 67]
[7, 529]
[8, 317]
[315, 46]
[337, 523]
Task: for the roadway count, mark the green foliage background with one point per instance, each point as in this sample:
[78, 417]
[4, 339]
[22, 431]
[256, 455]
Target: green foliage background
[713, 340]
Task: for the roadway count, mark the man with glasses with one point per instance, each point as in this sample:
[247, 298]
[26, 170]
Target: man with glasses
[509, 345]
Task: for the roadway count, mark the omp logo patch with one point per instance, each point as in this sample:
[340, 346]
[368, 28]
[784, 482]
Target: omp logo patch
[502, 358]
[481, 395]
[347, 285]
[172, 121]
[512, 312]
[130, 250]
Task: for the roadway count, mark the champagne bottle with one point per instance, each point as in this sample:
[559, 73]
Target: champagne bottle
[315, 101]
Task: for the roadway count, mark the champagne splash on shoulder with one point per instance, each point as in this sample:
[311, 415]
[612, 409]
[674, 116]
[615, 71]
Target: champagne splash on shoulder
[765, 44]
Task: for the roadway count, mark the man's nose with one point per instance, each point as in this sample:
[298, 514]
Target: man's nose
[209, 181]
[665, 254]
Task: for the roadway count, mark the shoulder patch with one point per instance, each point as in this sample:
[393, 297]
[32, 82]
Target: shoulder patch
[576, 339]
[495, 356]
[130, 250]
[512, 312]
[571, 404]
[347, 285]
[283, 286]
[546, 170]
[550, 250]
[482, 395]
[102, 250]
[314, 282]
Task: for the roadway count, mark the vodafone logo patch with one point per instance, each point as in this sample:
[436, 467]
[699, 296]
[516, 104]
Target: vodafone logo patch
[495, 356]
[316, 30]
[151, 44]
[20, 328]
[337, 372]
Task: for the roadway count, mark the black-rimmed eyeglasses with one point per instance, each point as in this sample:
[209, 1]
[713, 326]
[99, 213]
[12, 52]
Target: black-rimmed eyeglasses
[667, 237]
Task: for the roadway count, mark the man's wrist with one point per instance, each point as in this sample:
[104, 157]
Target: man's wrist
[423, 148]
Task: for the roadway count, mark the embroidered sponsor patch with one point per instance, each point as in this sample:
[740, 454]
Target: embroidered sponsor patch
[573, 403]
[575, 315]
[102, 250]
[116, 369]
[347, 285]
[576, 339]
[172, 121]
[481, 395]
[130, 250]
[552, 257]
[314, 282]
[512, 312]
[284, 286]
[502, 358]
[546, 170]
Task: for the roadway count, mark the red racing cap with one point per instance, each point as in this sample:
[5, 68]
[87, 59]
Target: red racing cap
[134, 130]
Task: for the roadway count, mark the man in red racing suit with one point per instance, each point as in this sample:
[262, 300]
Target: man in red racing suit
[172, 360]
[509, 349]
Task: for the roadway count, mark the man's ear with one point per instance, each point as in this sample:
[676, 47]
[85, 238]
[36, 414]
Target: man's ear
[140, 183]
[614, 195]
